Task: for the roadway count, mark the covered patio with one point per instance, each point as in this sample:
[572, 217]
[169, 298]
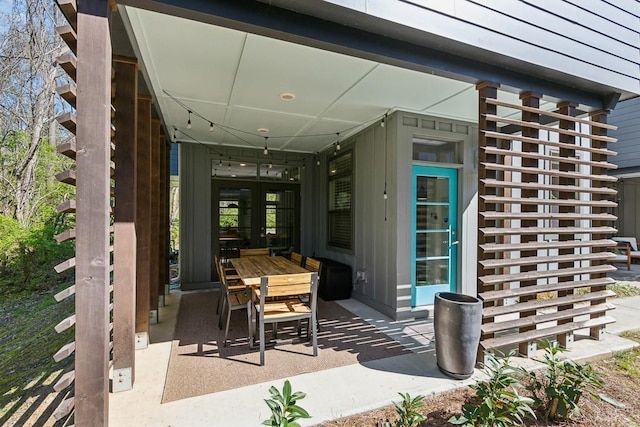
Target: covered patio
[405, 157]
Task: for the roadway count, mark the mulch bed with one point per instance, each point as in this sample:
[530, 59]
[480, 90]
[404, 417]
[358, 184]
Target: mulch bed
[593, 411]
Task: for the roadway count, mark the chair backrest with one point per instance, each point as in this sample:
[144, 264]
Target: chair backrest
[297, 258]
[254, 252]
[312, 264]
[288, 285]
[631, 241]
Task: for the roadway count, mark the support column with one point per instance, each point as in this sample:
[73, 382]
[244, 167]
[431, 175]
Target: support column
[93, 157]
[529, 99]
[154, 220]
[124, 242]
[143, 228]
[569, 109]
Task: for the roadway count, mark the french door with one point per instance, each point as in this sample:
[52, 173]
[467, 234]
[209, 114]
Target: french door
[247, 214]
[434, 239]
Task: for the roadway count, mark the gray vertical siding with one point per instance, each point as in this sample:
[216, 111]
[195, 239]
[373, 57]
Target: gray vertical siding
[627, 117]
[593, 39]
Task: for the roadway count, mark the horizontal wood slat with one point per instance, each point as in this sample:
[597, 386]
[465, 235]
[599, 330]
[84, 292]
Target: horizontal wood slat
[65, 381]
[548, 216]
[491, 328]
[512, 137]
[65, 351]
[537, 156]
[66, 293]
[70, 11]
[69, 64]
[68, 206]
[65, 324]
[68, 93]
[545, 332]
[66, 235]
[69, 36]
[65, 265]
[547, 230]
[67, 149]
[534, 125]
[64, 409]
[535, 260]
[68, 176]
[68, 121]
[550, 172]
[553, 114]
[554, 202]
[543, 303]
[540, 289]
[549, 187]
[535, 275]
[510, 247]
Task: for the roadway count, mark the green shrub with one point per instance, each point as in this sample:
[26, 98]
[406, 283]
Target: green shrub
[408, 415]
[556, 393]
[284, 411]
[497, 402]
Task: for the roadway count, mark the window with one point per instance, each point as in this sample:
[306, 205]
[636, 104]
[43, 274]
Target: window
[340, 192]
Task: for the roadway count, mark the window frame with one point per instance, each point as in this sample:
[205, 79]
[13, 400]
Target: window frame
[331, 242]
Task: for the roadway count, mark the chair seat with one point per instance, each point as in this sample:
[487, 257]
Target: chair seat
[238, 299]
[285, 308]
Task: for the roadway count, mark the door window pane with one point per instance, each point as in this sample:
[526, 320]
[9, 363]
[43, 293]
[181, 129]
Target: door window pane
[280, 218]
[432, 244]
[432, 272]
[432, 189]
[432, 217]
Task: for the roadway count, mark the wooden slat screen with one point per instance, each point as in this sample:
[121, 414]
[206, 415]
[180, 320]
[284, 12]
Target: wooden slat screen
[86, 386]
[544, 221]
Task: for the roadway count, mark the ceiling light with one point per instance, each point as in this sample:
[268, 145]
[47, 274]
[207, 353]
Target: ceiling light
[210, 126]
[233, 175]
[266, 150]
[287, 96]
[243, 164]
[263, 130]
[189, 121]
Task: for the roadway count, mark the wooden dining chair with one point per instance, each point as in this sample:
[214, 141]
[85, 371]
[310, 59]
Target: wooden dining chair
[254, 252]
[231, 276]
[274, 310]
[297, 258]
[234, 297]
[312, 264]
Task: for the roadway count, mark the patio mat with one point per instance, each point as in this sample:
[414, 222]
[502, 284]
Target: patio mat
[198, 365]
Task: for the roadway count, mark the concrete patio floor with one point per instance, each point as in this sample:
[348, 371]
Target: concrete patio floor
[331, 393]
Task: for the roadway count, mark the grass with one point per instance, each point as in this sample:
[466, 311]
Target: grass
[29, 341]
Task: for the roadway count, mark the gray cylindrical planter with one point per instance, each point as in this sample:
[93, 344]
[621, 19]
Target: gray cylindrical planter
[457, 319]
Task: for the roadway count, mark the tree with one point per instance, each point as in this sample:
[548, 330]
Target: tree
[29, 47]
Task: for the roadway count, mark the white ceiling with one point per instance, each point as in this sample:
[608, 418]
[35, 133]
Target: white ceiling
[234, 80]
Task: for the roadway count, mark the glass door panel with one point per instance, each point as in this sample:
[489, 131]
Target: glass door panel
[280, 217]
[434, 225]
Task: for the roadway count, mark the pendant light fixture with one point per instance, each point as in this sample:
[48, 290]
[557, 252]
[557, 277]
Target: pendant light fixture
[266, 150]
[189, 121]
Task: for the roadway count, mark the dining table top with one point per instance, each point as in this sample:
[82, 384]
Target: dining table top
[252, 268]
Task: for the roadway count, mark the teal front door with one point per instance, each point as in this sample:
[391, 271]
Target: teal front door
[434, 240]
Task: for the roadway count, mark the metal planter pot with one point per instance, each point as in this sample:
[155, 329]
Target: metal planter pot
[457, 319]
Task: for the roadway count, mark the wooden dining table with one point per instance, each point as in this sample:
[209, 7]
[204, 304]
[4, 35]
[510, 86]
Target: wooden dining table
[252, 268]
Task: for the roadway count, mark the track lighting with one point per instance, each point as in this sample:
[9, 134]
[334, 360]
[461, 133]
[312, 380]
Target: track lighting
[189, 121]
[266, 150]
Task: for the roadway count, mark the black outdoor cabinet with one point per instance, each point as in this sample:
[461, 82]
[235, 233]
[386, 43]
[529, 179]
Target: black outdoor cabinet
[335, 280]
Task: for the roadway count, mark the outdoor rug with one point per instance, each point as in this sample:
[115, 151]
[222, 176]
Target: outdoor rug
[199, 364]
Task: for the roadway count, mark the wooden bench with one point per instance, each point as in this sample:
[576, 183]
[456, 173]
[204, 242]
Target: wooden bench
[631, 251]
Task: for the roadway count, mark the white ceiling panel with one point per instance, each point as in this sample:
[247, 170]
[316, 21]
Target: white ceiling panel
[317, 78]
[235, 79]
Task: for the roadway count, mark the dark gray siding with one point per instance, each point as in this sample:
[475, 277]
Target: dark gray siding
[598, 41]
[627, 117]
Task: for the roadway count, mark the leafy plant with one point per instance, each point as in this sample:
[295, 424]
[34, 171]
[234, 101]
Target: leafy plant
[284, 411]
[408, 411]
[556, 393]
[497, 402]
